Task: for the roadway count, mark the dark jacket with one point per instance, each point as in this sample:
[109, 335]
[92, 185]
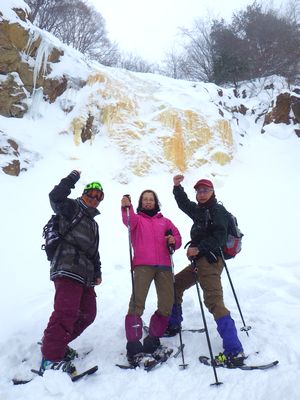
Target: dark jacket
[77, 256]
[209, 230]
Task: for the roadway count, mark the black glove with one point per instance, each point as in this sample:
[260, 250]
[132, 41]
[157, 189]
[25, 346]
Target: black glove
[74, 176]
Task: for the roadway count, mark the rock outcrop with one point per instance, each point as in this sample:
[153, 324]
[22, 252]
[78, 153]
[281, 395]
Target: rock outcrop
[25, 63]
[286, 110]
[9, 151]
[14, 156]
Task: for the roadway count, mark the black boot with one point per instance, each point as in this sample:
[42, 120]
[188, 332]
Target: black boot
[133, 348]
[150, 344]
[172, 331]
[70, 354]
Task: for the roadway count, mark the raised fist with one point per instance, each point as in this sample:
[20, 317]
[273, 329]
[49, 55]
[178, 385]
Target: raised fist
[177, 179]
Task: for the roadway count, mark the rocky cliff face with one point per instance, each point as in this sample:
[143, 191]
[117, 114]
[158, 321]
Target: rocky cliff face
[286, 110]
[21, 45]
[131, 109]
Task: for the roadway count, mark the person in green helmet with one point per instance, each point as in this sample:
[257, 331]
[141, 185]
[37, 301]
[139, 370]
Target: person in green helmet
[75, 270]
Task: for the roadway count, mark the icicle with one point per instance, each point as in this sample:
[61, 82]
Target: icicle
[43, 51]
[36, 100]
[41, 60]
[33, 37]
[39, 65]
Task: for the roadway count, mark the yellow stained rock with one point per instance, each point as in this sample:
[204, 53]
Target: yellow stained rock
[184, 137]
[221, 158]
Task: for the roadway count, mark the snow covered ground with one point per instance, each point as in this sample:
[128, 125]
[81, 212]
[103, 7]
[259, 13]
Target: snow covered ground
[261, 187]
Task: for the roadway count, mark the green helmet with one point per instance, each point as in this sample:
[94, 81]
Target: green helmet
[93, 185]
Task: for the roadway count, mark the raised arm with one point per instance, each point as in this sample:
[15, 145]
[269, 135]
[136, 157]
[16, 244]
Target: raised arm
[183, 202]
[59, 195]
[126, 207]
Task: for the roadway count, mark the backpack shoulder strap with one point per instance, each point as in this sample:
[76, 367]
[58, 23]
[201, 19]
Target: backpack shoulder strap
[220, 204]
[76, 219]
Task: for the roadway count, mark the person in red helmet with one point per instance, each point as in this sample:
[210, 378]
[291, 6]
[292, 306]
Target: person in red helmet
[208, 236]
[75, 270]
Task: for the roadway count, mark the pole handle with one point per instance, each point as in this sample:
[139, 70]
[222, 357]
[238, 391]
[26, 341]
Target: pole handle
[170, 247]
[127, 207]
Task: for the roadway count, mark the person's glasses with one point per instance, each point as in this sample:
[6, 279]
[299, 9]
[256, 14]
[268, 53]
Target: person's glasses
[204, 191]
[95, 194]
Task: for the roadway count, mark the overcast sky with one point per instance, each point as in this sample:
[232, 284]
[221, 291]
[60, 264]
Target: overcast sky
[149, 27]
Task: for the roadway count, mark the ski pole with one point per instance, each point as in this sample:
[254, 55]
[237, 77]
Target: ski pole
[171, 251]
[194, 266]
[245, 327]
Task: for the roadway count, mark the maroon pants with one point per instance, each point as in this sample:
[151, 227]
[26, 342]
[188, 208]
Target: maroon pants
[74, 310]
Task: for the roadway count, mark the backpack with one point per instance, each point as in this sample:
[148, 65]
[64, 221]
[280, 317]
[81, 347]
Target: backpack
[52, 235]
[234, 238]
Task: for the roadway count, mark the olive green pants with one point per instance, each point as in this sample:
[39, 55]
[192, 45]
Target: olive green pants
[143, 277]
[209, 277]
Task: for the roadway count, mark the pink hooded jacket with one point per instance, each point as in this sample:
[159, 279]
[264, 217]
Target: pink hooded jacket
[148, 238]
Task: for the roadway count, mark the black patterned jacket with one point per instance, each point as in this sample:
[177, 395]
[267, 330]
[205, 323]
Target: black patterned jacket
[77, 256]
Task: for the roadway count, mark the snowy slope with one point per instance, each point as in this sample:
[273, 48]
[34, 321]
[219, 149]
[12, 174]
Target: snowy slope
[260, 187]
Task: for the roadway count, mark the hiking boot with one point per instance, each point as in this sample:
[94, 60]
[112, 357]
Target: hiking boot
[134, 349]
[237, 360]
[65, 366]
[172, 331]
[220, 359]
[70, 354]
[150, 344]
[230, 361]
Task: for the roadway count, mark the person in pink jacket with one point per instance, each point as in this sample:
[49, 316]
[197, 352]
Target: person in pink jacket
[150, 235]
